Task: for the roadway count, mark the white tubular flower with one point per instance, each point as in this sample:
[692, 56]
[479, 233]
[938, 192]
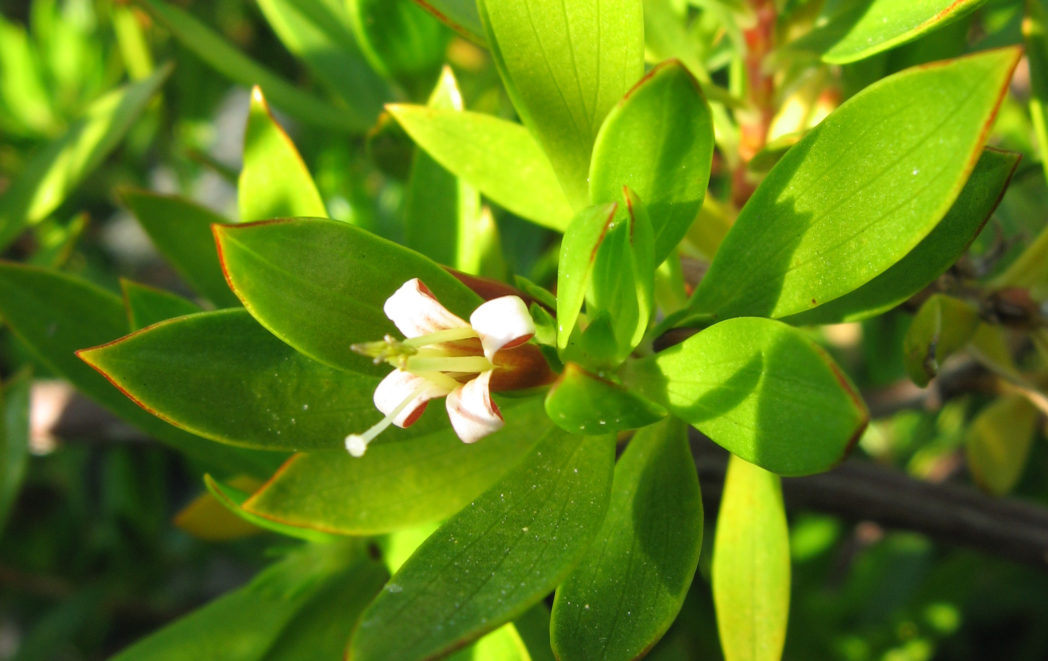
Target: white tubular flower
[445, 356]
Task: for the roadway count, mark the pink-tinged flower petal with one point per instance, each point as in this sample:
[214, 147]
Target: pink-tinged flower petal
[473, 413]
[502, 323]
[415, 311]
[409, 393]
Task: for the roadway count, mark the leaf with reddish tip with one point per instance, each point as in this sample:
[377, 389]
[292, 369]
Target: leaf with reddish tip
[761, 389]
[406, 478]
[232, 497]
[320, 285]
[578, 252]
[860, 191]
[222, 376]
[274, 181]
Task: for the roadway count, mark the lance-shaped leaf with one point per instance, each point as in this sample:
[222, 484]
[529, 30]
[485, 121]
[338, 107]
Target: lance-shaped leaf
[57, 169]
[441, 211]
[658, 141]
[404, 479]
[578, 252]
[274, 182]
[751, 565]
[1035, 34]
[585, 403]
[564, 66]
[231, 63]
[860, 191]
[320, 285]
[761, 389]
[942, 326]
[498, 157]
[222, 376]
[317, 32]
[503, 553]
[862, 29]
[619, 602]
[302, 607]
[997, 443]
[14, 440]
[147, 305]
[933, 255]
[181, 232]
[459, 15]
[54, 315]
[232, 498]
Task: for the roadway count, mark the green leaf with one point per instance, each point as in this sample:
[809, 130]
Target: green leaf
[274, 182]
[405, 479]
[54, 315]
[1035, 34]
[181, 232]
[146, 305]
[222, 376]
[759, 388]
[302, 607]
[441, 212]
[578, 251]
[233, 498]
[497, 557]
[14, 440]
[564, 65]
[398, 38]
[499, 157]
[863, 29]
[933, 255]
[56, 170]
[860, 191]
[459, 15]
[941, 327]
[997, 443]
[317, 32]
[585, 403]
[619, 602]
[658, 141]
[231, 63]
[751, 565]
[25, 103]
[320, 285]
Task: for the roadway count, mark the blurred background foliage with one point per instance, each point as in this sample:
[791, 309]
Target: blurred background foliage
[89, 557]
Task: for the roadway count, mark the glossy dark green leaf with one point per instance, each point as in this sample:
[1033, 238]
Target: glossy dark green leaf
[501, 554]
[860, 191]
[232, 498]
[751, 565]
[54, 315]
[231, 63]
[459, 15]
[761, 389]
[585, 403]
[578, 251]
[942, 326]
[499, 157]
[318, 33]
[274, 182]
[222, 376]
[933, 255]
[998, 441]
[56, 170]
[14, 440]
[181, 232]
[619, 602]
[303, 607]
[862, 29]
[320, 285]
[658, 141]
[398, 38]
[146, 305]
[564, 66]
[406, 478]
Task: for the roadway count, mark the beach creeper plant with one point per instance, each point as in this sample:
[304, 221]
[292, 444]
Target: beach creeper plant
[574, 400]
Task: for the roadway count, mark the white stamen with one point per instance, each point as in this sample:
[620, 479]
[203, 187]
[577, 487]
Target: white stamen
[463, 364]
[357, 444]
[448, 335]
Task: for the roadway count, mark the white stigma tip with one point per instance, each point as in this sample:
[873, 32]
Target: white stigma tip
[356, 445]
